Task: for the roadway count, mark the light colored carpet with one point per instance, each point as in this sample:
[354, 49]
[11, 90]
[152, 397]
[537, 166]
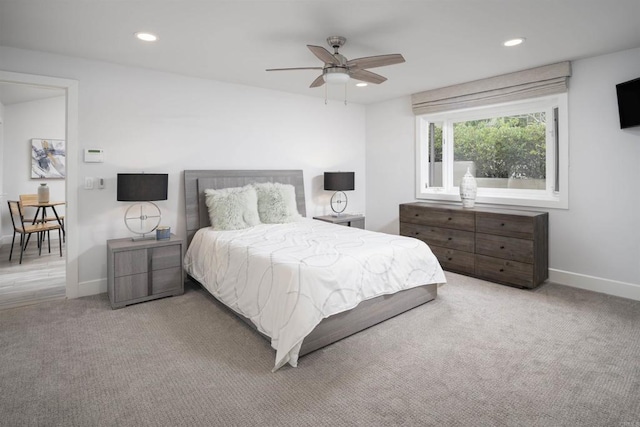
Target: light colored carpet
[480, 355]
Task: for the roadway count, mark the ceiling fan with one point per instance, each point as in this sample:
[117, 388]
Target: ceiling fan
[337, 69]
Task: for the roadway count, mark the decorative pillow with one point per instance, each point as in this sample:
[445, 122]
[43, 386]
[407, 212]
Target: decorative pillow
[277, 203]
[232, 208]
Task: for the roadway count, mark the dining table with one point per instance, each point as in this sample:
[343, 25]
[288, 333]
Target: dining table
[41, 209]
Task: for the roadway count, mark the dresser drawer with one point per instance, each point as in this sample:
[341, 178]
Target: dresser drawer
[438, 217]
[165, 280]
[445, 237]
[131, 287]
[505, 271]
[453, 260]
[130, 262]
[505, 247]
[166, 257]
[505, 225]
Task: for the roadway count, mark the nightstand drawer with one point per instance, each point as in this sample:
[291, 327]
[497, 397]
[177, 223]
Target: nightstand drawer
[505, 271]
[444, 237]
[131, 287]
[505, 225]
[166, 257]
[505, 247]
[438, 217]
[130, 262]
[450, 259]
[354, 221]
[165, 280]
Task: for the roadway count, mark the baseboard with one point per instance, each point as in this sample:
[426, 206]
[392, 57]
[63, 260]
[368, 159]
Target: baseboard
[92, 287]
[595, 284]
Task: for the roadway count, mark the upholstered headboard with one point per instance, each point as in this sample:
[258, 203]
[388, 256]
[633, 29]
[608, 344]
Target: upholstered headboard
[196, 181]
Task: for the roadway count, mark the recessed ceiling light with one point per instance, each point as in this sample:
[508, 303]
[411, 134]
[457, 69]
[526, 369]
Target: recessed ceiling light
[514, 42]
[147, 37]
[361, 84]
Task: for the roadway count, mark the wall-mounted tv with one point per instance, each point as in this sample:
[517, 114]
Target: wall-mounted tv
[629, 103]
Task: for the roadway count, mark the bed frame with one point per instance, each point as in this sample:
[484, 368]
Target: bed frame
[333, 328]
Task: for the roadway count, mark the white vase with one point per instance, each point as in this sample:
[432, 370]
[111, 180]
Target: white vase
[468, 190]
[43, 193]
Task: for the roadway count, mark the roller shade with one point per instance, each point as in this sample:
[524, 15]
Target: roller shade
[532, 83]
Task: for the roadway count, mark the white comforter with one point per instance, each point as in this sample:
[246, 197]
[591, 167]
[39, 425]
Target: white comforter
[286, 278]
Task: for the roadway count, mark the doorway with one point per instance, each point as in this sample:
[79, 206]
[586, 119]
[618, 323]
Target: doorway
[68, 88]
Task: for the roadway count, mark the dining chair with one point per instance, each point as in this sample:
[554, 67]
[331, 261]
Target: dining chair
[26, 230]
[33, 198]
[26, 199]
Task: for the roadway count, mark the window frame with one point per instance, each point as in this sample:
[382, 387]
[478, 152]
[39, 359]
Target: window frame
[557, 154]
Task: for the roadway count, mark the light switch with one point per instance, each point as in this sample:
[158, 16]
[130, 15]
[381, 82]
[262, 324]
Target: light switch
[88, 183]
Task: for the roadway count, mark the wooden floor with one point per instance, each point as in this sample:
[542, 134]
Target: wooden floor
[37, 279]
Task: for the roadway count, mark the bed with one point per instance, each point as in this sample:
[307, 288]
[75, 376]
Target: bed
[237, 249]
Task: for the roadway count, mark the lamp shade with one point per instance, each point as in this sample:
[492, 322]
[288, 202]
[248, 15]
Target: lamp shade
[142, 187]
[339, 181]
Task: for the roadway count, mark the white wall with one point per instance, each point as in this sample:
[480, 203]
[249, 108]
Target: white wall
[159, 122]
[390, 162]
[595, 244]
[24, 121]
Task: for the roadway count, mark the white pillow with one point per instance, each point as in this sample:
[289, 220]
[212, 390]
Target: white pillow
[277, 203]
[232, 208]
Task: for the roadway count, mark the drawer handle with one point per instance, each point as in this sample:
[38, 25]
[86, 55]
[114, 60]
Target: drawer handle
[501, 270]
[449, 219]
[502, 225]
[417, 232]
[449, 259]
[449, 238]
[417, 215]
[501, 247]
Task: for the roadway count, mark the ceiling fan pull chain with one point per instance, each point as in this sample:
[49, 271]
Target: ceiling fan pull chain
[325, 94]
[345, 94]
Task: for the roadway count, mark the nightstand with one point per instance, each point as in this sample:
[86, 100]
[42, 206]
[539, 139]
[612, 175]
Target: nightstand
[144, 270]
[356, 221]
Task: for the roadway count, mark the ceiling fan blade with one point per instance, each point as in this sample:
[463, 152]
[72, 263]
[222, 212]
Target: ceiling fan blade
[319, 81]
[367, 76]
[296, 68]
[323, 54]
[375, 61]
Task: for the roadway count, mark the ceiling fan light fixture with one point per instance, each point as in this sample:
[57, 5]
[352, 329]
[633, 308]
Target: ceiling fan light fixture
[335, 75]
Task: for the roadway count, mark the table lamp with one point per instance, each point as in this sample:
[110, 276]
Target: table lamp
[339, 182]
[144, 188]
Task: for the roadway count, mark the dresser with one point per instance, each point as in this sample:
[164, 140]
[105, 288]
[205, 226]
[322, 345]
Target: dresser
[505, 246]
[143, 270]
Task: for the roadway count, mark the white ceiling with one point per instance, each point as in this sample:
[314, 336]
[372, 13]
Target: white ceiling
[443, 41]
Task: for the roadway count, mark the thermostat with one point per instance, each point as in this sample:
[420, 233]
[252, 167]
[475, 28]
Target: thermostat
[93, 155]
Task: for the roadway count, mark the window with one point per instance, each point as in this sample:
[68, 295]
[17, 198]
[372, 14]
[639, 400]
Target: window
[517, 151]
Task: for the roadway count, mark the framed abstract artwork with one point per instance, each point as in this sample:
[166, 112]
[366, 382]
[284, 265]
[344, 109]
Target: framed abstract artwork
[48, 158]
